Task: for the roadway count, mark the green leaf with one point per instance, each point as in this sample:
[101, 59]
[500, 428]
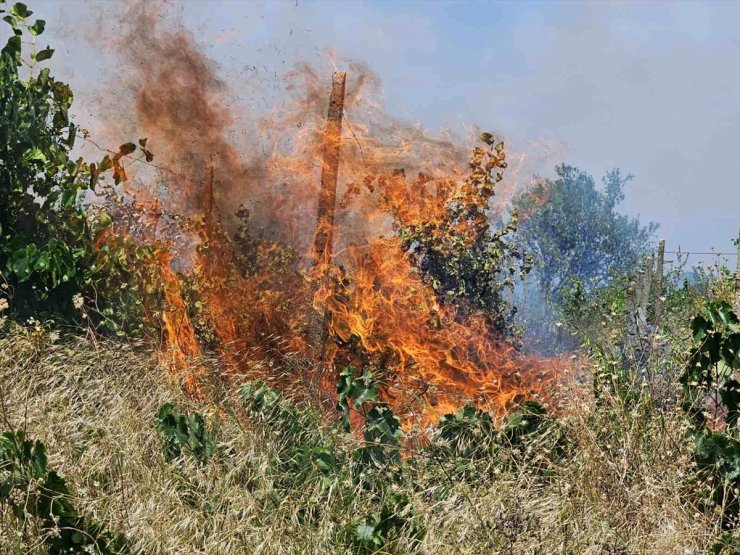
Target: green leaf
[33, 154]
[22, 262]
[13, 48]
[21, 10]
[12, 21]
[184, 433]
[354, 390]
[38, 27]
[44, 54]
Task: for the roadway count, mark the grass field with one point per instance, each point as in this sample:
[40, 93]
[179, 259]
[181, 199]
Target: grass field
[598, 479]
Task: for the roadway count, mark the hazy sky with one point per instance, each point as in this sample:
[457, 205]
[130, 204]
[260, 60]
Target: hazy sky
[650, 87]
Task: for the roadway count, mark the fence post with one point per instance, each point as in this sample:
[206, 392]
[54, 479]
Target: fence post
[647, 278]
[324, 233]
[658, 283]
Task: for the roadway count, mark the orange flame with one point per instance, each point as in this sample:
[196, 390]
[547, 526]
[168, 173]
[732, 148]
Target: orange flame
[255, 294]
[433, 353]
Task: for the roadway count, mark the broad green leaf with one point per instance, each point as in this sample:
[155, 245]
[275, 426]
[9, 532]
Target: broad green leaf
[38, 27]
[12, 21]
[13, 48]
[21, 10]
[44, 54]
[33, 154]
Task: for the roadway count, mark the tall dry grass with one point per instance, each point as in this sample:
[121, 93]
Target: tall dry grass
[622, 483]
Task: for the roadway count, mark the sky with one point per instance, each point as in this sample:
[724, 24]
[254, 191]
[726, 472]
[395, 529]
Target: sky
[650, 87]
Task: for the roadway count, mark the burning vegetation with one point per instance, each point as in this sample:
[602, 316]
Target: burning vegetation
[320, 256]
[321, 247]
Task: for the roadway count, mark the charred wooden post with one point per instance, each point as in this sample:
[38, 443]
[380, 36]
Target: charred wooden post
[329, 171]
[658, 283]
[324, 234]
[632, 292]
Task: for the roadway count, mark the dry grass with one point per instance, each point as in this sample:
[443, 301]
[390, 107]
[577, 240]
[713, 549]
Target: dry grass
[622, 485]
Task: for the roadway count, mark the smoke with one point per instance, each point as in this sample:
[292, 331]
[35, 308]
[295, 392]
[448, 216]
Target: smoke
[212, 141]
[218, 149]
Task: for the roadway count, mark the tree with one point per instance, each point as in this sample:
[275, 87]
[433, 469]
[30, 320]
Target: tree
[444, 226]
[53, 254]
[573, 230]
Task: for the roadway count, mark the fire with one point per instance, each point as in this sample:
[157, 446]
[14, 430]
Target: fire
[182, 350]
[433, 354]
[254, 273]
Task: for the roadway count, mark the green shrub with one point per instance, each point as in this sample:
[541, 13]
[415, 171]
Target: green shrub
[449, 237]
[526, 420]
[392, 521]
[184, 434]
[303, 450]
[32, 490]
[467, 433]
[382, 430]
[711, 386]
[353, 392]
[50, 261]
[258, 397]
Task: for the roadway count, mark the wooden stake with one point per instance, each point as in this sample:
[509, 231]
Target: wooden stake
[647, 278]
[329, 171]
[658, 283]
[324, 234]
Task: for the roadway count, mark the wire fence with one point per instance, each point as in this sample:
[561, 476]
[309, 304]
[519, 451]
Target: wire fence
[711, 253]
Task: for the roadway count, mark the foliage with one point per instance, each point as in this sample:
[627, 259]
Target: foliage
[32, 490]
[353, 392]
[467, 432]
[580, 243]
[302, 449]
[574, 231]
[258, 396]
[466, 262]
[184, 434]
[285, 419]
[713, 360]
[48, 242]
[382, 430]
[525, 420]
[599, 321]
[625, 482]
[711, 375]
[389, 523]
[381, 434]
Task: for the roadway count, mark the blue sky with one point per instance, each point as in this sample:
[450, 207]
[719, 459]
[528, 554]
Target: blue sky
[650, 87]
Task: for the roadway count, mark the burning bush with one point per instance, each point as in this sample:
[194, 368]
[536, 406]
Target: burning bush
[417, 296]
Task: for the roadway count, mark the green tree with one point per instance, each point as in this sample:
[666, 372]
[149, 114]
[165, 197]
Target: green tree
[48, 253]
[573, 230]
[44, 230]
